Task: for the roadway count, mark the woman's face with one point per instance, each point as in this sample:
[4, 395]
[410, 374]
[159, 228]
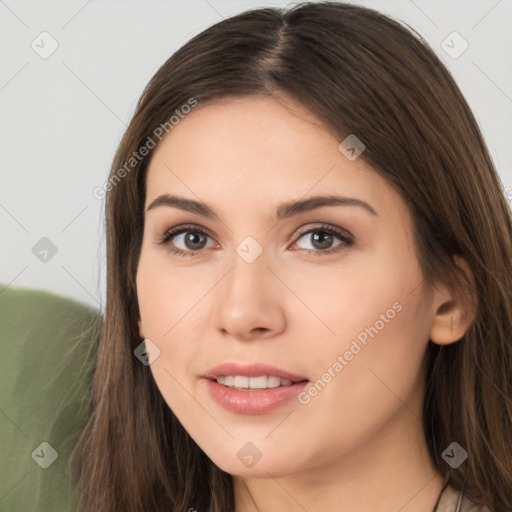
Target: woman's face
[347, 310]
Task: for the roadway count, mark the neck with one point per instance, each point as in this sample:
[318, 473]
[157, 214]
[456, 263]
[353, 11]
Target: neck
[392, 471]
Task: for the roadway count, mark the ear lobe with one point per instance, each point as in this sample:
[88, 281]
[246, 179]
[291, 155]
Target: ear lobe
[456, 309]
[449, 327]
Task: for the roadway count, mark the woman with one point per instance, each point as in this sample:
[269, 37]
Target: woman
[309, 286]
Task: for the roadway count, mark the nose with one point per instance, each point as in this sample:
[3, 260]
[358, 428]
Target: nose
[249, 301]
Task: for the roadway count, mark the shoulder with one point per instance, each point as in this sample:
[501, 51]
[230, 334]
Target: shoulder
[453, 501]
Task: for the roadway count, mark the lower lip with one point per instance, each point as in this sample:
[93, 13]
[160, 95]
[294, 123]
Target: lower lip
[261, 401]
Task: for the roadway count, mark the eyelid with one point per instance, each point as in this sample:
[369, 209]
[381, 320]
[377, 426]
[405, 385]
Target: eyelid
[339, 231]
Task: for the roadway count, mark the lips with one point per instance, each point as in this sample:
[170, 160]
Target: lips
[252, 401]
[251, 370]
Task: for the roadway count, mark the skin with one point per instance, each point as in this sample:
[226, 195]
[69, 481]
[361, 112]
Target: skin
[358, 444]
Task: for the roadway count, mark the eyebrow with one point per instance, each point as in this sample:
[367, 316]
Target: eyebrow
[284, 211]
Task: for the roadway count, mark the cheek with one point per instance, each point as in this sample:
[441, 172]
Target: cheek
[373, 296]
[377, 380]
[381, 349]
[169, 314]
[378, 318]
[165, 295]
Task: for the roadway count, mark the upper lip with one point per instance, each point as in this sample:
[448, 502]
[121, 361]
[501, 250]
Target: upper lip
[250, 370]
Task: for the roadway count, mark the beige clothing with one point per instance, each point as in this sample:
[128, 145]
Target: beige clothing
[452, 501]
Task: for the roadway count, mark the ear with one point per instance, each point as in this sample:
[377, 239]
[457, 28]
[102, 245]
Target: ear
[141, 334]
[454, 310]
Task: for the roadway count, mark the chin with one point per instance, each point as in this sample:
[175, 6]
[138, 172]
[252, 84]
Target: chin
[242, 465]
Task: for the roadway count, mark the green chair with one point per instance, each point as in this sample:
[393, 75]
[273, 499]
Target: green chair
[48, 347]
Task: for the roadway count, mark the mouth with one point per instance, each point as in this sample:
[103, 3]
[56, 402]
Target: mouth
[252, 389]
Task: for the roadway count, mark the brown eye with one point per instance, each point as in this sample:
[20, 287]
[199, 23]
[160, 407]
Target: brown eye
[322, 239]
[190, 238]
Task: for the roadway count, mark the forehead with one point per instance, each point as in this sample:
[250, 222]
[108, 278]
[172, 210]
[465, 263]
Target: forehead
[257, 151]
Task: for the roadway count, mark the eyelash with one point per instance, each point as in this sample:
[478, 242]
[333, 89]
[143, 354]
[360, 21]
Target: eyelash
[347, 241]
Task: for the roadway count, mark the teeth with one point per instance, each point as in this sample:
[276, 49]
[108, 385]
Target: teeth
[241, 382]
[261, 382]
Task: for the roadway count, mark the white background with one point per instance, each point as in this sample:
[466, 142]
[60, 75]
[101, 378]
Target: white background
[63, 117]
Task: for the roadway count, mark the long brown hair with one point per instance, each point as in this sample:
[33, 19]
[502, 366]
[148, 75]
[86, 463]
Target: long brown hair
[361, 73]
